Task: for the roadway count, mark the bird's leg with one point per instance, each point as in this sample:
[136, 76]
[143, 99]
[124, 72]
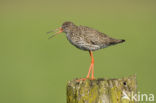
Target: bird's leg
[91, 66]
[92, 63]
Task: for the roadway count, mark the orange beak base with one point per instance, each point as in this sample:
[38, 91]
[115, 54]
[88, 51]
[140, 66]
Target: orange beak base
[60, 31]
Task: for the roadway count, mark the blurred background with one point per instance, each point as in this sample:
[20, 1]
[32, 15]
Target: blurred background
[34, 69]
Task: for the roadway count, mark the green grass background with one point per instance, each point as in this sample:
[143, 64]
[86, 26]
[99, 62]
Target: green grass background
[34, 69]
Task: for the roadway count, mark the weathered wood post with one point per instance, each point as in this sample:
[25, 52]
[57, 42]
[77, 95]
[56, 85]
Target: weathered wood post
[102, 90]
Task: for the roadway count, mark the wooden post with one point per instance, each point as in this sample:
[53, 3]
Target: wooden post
[102, 90]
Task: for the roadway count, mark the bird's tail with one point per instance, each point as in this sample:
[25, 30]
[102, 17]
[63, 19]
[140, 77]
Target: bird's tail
[116, 41]
[120, 41]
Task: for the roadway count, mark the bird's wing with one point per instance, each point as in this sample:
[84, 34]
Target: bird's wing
[93, 36]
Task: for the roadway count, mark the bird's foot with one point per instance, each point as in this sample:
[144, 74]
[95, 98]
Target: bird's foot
[83, 79]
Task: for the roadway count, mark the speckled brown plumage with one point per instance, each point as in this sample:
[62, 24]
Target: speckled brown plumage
[86, 38]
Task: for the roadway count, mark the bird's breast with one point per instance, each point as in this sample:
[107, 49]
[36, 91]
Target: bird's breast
[73, 38]
[81, 43]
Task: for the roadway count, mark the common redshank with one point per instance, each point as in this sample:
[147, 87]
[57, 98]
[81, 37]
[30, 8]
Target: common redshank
[87, 39]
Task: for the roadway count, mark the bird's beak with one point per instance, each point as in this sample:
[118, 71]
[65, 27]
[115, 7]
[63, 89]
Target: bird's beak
[60, 31]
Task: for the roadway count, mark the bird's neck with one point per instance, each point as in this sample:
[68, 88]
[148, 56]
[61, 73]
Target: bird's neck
[71, 30]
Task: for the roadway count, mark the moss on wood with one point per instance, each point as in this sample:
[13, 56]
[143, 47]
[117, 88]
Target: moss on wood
[101, 90]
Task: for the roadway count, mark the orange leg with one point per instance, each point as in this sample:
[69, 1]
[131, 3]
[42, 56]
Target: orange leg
[91, 66]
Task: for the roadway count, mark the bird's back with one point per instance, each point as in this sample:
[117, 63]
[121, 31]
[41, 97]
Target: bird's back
[90, 39]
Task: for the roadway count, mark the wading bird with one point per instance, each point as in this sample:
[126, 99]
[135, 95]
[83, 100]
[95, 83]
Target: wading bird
[87, 39]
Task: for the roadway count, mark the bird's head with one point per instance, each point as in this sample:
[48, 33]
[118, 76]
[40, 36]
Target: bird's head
[66, 27]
